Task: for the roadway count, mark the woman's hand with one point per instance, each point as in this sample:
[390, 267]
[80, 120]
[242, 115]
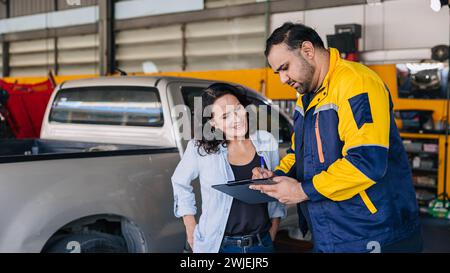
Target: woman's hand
[190, 223]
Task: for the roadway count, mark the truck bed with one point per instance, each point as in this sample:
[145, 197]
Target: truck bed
[19, 150]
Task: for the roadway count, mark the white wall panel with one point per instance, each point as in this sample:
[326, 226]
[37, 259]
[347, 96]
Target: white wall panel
[373, 27]
[72, 17]
[225, 62]
[41, 45]
[78, 42]
[237, 26]
[32, 59]
[162, 65]
[226, 44]
[160, 34]
[412, 24]
[148, 52]
[139, 8]
[78, 55]
[223, 3]
[393, 30]
[278, 19]
[323, 20]
[79, 69]
[29, 71]
[161, 45]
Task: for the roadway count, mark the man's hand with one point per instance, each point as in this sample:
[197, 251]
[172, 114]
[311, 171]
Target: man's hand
[258, 173]
[287, 190]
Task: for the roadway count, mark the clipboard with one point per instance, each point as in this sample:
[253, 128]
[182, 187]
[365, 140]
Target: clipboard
[240, 190]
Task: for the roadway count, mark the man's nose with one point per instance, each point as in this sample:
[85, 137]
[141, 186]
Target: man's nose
[237, 117]
[284, 77]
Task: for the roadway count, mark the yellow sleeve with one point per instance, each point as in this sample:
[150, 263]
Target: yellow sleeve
[364, 124]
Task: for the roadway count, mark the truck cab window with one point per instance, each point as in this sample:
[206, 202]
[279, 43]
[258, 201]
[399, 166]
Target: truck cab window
[108, 105]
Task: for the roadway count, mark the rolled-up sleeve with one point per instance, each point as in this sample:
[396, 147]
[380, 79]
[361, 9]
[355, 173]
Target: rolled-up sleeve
[185, 173]
[276, 209]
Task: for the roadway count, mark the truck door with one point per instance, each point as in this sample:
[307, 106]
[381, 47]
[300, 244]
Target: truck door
[181, 99]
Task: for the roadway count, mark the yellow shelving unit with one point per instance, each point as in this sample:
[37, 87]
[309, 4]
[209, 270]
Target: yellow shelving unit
[440, 139]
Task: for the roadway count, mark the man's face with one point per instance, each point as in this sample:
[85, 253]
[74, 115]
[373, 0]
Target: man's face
[292, 67]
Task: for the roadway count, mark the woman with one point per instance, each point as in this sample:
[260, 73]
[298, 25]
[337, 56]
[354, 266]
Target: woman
[226, 224]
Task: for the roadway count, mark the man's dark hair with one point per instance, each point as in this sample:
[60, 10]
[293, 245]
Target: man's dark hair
[293, 35]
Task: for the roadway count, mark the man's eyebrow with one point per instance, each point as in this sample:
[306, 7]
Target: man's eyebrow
[279, 68]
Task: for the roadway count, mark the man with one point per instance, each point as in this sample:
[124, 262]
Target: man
[347, 166]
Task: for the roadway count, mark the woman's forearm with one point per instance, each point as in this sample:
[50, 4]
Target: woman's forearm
[274, 228]
[189, 221]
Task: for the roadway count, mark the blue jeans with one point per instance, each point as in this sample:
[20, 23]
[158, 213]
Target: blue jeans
[243, 244]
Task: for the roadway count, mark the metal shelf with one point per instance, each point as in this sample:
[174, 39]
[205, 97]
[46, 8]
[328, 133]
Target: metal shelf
[421, 152]
[425, 170]
[427, 187]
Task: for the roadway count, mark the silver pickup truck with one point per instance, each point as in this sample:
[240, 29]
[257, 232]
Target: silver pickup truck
[98, 179]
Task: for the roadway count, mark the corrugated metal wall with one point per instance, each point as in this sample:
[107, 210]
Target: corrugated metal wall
[29, 58]
[62, 4]
[214, 45]
[223, 3]
[226, 44]
[2, 10]
[28, 7]
[1, 61]
[162, 46]
[78, 55]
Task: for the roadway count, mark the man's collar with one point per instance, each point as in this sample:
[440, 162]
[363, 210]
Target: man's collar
[334, 59]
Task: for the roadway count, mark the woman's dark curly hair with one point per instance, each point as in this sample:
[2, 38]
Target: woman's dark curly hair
[209, 96]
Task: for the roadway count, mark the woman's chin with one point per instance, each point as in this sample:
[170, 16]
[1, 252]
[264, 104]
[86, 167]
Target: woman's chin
[237, 135]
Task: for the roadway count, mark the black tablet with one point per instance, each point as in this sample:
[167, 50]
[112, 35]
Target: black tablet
[240, 190]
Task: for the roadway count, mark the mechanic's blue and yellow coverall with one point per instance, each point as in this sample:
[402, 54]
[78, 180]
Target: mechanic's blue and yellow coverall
[347, 153]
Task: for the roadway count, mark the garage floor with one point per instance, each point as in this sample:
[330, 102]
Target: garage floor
[436, 234]
[436, 237]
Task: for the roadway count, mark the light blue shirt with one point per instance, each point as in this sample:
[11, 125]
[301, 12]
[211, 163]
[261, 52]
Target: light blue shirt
[215, 169]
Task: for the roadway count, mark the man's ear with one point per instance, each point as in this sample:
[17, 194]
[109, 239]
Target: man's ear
[212, 123]
[307, 49]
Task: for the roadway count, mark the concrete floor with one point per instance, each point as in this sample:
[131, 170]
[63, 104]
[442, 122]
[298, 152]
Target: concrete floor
[435, 233]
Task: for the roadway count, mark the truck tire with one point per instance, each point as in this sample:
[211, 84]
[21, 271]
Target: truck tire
[93, 242]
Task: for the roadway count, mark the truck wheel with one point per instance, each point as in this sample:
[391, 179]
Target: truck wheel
[95, 242]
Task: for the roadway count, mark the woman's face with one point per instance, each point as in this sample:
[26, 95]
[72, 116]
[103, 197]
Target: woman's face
[229, 116]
